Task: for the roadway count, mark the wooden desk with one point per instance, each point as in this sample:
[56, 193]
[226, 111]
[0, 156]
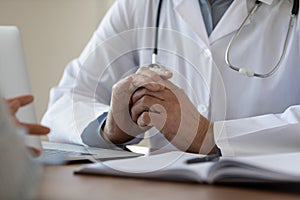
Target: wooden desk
[59, 182]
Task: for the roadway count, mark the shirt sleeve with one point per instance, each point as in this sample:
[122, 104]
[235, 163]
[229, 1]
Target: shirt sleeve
[92, 135]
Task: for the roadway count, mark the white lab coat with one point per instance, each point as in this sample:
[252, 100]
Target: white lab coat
[246, 111]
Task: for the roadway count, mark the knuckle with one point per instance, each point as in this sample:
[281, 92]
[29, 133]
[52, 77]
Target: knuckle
[155, 77]
[115, 87]
[144, 118]
[143, 68]
[123, 83]
[129, 79]
[134, 114]
[142, 91]
[144, 99]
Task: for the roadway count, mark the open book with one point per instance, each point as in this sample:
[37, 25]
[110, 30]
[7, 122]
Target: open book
[173, 166]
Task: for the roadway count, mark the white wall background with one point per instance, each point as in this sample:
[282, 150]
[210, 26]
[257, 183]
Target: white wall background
[53, 32]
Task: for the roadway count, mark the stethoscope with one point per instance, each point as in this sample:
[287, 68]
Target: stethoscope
[245, 71]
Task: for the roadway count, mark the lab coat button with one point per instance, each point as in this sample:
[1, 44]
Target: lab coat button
[207, 52]
[202, 109]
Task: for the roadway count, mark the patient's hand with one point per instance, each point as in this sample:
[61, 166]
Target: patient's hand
[33, 129]
[14, 104]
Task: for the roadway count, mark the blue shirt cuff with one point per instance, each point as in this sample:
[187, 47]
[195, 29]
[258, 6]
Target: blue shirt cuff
[92, 135]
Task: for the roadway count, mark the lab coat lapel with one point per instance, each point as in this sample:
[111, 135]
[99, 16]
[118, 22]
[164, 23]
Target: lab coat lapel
[231, 20]
[190, 12]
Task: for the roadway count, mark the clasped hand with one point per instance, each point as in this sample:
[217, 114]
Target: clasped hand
[148, 99]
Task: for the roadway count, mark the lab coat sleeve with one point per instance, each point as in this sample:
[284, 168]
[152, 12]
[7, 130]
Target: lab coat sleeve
[84, 91]
[266, 134]
[271, 133]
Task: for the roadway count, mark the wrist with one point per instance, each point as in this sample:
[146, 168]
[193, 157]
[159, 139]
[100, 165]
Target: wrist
[204, 140]
[113, 134]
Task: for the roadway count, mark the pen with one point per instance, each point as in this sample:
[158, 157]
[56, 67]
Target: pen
[209, 158]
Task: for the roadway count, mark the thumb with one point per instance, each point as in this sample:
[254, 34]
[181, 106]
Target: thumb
[157, 117]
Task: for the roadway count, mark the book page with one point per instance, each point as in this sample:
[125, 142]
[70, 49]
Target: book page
[170, 166]
[283, 167]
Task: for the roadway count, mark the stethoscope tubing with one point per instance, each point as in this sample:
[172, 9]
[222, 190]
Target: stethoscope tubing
[245, 71]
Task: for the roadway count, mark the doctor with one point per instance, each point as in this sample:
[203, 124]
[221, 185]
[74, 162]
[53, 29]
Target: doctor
[106, 98]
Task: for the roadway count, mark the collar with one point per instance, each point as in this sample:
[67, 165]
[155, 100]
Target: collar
[235, 14]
